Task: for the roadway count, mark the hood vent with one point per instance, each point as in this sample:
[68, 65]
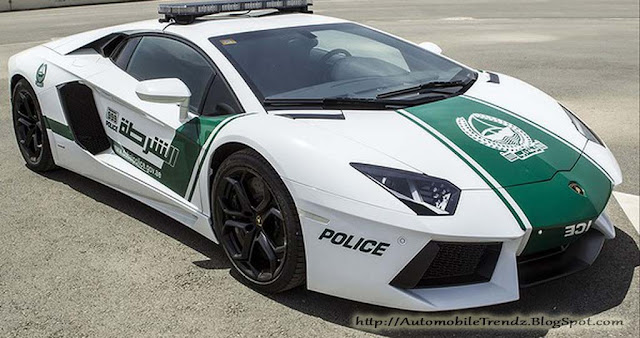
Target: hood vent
[493, 78]
[313, 116]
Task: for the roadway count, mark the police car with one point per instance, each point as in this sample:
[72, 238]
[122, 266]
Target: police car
[325, 153]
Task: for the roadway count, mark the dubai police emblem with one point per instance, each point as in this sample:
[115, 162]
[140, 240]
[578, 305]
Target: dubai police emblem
[512, 142]
[41, 74]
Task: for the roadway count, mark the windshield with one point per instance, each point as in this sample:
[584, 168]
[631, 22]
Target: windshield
[331, 61]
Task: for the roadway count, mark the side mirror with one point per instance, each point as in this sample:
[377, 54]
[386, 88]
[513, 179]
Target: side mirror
[432, 47]
[166, 91]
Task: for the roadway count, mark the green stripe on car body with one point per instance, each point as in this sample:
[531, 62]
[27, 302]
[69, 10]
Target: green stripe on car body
[189, 139]
[207, 145]
[58, 128]
[530, 166]
[453, 116]
[552, 205]
[544, 129]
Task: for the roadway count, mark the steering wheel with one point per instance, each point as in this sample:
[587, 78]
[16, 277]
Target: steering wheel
[333, 53]
[327, 57]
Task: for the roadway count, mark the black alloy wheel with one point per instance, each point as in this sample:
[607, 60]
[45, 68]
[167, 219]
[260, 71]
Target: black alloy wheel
[30, 128]
[256, 223]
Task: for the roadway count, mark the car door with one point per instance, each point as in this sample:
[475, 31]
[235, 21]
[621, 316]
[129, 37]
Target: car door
[152, 136]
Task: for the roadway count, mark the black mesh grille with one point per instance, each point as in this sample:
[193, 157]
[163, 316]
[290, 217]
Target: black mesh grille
[461, 263]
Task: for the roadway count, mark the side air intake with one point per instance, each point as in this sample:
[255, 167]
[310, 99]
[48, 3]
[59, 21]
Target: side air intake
[83, 118]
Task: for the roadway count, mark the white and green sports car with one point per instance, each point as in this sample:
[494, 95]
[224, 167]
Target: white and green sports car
[324, 153]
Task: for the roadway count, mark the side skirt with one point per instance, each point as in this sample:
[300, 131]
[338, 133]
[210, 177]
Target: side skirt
[107, 169]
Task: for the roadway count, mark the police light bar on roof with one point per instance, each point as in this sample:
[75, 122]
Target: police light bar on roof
[186, 13]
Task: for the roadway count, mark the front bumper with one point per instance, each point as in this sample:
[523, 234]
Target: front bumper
[356, 251]
[563, 261]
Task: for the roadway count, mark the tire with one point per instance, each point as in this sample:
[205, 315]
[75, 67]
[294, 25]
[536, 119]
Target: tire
[29, 128]
[254, 214]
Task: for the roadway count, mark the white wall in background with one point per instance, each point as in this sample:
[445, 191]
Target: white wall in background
[13, 5]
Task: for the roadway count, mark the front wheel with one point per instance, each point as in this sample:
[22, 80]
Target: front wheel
[257, 223]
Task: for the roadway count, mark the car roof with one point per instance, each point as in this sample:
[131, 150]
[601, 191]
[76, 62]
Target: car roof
[205, 28]
[202, 28]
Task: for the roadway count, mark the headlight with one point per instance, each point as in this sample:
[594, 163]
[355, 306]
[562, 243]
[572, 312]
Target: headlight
[426, 195]
[582, 127]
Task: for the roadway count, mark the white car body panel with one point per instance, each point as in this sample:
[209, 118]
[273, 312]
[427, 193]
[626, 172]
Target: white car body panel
[334, 271]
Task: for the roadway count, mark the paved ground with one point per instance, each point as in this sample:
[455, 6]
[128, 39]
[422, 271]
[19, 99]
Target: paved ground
[78, 259]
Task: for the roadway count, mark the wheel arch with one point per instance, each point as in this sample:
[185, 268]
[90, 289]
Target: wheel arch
[221, 153]
[14, 82]
[17, 77]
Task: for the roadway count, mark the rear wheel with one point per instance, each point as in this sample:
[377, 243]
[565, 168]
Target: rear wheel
[30, 129]
[257, 223]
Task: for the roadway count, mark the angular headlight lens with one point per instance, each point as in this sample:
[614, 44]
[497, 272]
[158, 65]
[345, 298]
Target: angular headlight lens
[426, 195]
[582, 127]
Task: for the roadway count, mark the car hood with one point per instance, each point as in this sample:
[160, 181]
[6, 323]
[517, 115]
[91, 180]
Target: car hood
[497, 135]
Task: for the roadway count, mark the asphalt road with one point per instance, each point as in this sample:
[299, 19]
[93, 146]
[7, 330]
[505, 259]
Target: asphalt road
[79, 259]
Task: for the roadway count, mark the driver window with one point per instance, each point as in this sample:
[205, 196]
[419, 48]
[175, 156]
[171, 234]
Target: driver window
[359, 46]
[159, 57]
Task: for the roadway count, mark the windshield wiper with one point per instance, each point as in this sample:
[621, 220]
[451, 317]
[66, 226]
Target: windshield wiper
[338, 103]
[429, 87]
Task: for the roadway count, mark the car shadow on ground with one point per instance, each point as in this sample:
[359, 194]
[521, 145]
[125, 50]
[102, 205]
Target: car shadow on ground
[146, 215]
[601, 287]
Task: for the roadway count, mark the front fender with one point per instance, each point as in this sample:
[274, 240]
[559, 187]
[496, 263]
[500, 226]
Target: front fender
[308, 155]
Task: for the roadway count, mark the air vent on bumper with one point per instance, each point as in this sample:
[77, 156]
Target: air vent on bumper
[441, 264]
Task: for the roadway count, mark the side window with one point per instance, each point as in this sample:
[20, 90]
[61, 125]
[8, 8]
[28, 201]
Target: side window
[158, 58]
[220, 100]
[123, 54]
